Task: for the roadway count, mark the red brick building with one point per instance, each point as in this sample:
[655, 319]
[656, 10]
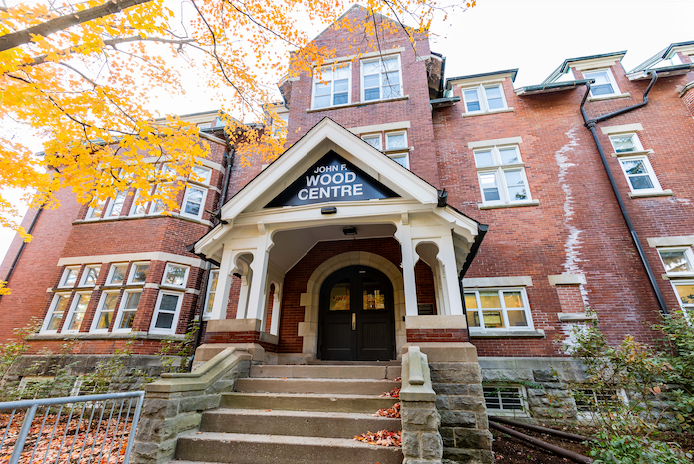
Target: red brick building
[404, 187]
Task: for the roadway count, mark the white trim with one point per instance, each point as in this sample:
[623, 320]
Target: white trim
[499, 170]
[373, 136]
[202, 202]
[610, 77]
[494, 79]
[674, 241]
[638, 147]
[596, 63]
[507, 329]
[493, 142]
[134, 205]
[391, 51]
[567, 279]
[64, 275]
[111, 270]
[688, 308]
[51, 312]
[133, 267]
[185, 275]
[77, 297]
[127, 257]
[522, 394]
[482, 99]
[121, 309]
[385, 140]
[511, 281]
[85, 272]
[380, 127]
[112, 203]
[206, 315]
[331, 95]
[623, 128]
[651, 175]
[100, 308]
[157, 310]
[379, 58]
[688, 255]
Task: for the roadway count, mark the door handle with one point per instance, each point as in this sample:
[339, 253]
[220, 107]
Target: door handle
[354, 321]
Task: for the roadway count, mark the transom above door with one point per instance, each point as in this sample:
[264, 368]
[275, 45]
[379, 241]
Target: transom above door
[356, 316]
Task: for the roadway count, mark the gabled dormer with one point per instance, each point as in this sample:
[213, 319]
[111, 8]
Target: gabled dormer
[603, 69]
[484, 93]
[674, 60]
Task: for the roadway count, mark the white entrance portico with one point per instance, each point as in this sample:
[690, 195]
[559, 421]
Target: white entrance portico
[331, 186]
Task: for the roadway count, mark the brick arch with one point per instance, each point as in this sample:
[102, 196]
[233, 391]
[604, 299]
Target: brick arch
[310, 300]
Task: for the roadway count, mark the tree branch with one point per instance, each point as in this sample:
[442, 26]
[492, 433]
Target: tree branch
[15, 39]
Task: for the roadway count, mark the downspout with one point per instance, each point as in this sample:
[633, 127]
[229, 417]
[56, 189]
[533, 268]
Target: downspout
[482, 231]
[15, 261]
[590, 124]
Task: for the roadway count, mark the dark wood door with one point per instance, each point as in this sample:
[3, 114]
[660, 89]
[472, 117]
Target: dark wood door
[357, 317]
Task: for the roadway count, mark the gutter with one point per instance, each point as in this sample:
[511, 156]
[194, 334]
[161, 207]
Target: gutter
[590, 125]
[15, 261]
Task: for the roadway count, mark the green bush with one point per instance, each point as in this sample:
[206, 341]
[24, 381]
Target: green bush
[627, 449]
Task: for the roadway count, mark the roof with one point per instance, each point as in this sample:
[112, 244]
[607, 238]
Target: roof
[664, 54]
[553, 87]
[513, 73]
[564, 67]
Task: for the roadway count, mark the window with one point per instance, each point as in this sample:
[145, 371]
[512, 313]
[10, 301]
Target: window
[501, 175]
[684, 289]
[116, 205]
[116, 274]
[166, 313]
[138, 273]
[604, 85]
[77, 312]
[626, 143]
[128, 309]
[89, 276]
[374, 140]
[677, 261]
[202, 174]
[175, 275]
[484, 98]
[590, 402]
[211, 291]
[331, 88]
[194, 202]
[55, 313]
[380, 78]
[398, 141]
[105, 311]
[69, 277]
[639, 174]
[158, 205]
[138, 209]
[505, 400]
[490, 309]
[95, 212]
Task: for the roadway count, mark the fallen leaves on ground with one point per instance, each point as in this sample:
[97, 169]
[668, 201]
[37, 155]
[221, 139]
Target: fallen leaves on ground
[381, 438]
[394, 393]
[393, 412]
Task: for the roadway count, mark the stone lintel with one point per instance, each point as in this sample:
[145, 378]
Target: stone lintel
[567, 279]
[436, 322]
[234, 325]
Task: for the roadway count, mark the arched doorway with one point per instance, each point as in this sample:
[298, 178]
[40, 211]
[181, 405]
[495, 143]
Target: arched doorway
[357, 316]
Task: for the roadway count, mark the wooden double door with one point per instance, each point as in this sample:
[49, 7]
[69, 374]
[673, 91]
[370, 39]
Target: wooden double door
[357, 316]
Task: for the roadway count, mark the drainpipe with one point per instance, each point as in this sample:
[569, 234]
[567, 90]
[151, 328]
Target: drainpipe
[590, 124]
[482, 231]
[22, 246]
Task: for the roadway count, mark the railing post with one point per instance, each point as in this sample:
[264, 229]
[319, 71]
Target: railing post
[23, 432]
[136, 419]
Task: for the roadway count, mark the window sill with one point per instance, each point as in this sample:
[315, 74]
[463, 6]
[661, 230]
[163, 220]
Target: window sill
[610, 97]
[484, 113]
[663, 193]
[633, 153]
[537, 333]
[509, 205]
[352, 105]
[106, 336]
[145, 216]
[577, 317]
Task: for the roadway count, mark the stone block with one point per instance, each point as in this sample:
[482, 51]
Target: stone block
[410, 444]
[482, 420]
[458, 419]
[448, 436]
[473, 439]
[544, 375]
[461, 373]
[199, 403]
[536, 391]
[451, 389]
[159, 407]
[419, 419]
[431, 445]
[466, 403]
[442, 402]
[461, 456]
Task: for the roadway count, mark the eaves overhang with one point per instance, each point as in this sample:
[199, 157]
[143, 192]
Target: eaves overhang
[564, 67]
[667, 71]
[549, 88]
[460, 79]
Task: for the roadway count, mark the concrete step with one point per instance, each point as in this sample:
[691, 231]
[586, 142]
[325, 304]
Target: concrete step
[330, 386]
[296, 423]
[348, 371]
[237, 448]
[307, 402]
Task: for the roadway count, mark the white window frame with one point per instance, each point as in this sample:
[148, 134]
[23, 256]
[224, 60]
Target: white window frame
[651, 174]
[112, 203]
[77, 297]
[610, 77]
[99, 210]
[504, 314]
[133, 207]
[380, 88]
[112, 270]
[66, 272]
[202, 204]
[210, 292]
[51, 313]
[174, 323]
[482, 96]
[522, 394]
[185, 276]
[131, 274]
[404, 155]
[122, 309]
[687, 308]
[638, 147]
[588, 415]
[85, 273]
[207, 178]
[373, 136]
[317, 80]
[100, 309]
[400, 132]
[688, 254]
[498, 169]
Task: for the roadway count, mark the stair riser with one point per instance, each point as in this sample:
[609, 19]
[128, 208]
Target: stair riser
[327, 372]
[361, 405]
[193, 449]
[329, 427]
[306, 386]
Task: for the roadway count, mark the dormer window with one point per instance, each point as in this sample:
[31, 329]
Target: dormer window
[331, 88]
[484, 98]
[380, 78]
[605, 84]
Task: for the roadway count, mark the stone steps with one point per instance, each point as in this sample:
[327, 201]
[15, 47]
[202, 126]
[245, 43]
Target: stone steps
[347, 371]
[326, 386]
[307, 402]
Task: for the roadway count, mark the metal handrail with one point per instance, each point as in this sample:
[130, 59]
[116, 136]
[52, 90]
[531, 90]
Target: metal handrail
[73, 402]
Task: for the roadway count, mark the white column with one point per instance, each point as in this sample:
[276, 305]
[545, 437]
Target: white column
[404, 236]
[246, 278]
[257, 295]
[276, 310]
[450, 272]
[219, 307]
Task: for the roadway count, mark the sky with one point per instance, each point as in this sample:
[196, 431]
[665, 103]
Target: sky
[535, 36]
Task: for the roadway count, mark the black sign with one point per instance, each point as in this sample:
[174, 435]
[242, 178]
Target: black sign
[332, 178]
